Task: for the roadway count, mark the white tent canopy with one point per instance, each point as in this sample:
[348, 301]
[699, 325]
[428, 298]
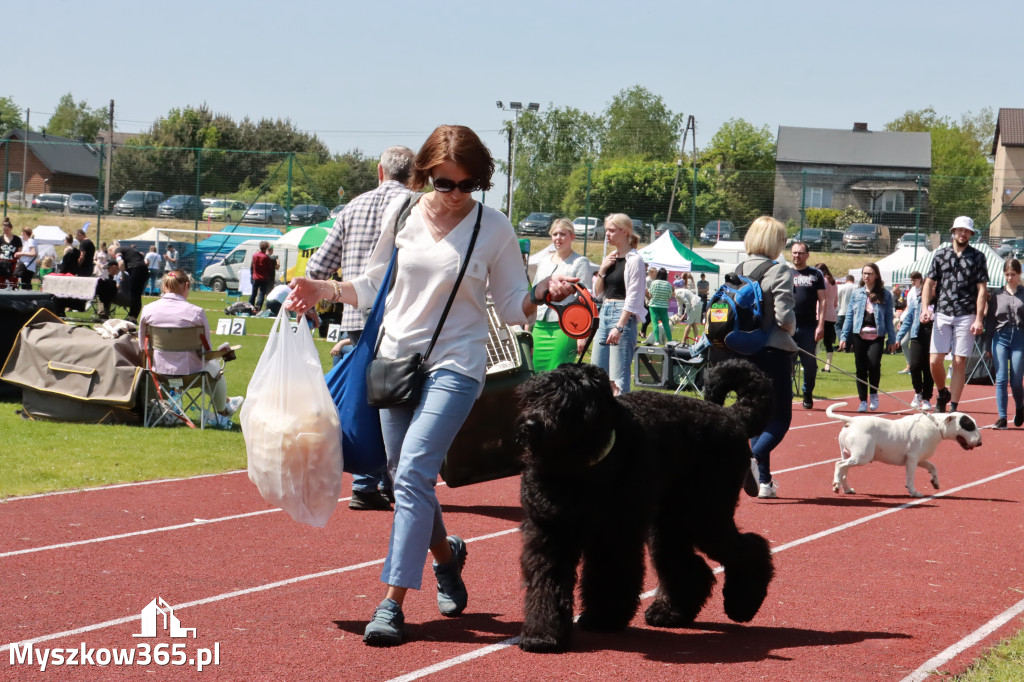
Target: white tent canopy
[668, 252]
[48, 238]
[888, 266]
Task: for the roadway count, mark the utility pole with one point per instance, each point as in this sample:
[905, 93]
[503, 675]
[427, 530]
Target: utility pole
[24, 158]
[110, 157]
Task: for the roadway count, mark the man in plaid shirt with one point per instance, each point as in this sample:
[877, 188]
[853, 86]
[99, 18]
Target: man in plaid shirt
[349, 245]
[957, 288]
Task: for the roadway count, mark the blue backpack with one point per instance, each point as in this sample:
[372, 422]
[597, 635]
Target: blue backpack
[735, 312]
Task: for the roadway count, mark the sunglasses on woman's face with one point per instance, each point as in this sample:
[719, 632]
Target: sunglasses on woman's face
[444, 185]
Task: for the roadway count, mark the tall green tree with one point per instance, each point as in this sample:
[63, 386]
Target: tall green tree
[638, 124]
[961, 179]
[76, 120]
[10, 116]
[549, 145]
[741, 160]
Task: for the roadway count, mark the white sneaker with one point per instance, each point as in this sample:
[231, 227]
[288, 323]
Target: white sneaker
[916, 402]
[863, 406]
[767, 491]
[926, 406]
[874, 403]
[234, 404]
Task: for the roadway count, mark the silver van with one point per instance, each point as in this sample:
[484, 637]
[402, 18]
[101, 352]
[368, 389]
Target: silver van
[225, 274]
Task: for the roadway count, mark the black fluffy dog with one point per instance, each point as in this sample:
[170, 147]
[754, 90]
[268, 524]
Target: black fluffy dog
[605, 475]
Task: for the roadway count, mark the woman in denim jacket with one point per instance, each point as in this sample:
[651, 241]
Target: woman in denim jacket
[870, 314]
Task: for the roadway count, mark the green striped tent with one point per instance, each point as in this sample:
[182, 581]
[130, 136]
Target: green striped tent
[922, 264]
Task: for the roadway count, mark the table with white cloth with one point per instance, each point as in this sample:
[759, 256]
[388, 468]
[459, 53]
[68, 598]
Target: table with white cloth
[67, 286]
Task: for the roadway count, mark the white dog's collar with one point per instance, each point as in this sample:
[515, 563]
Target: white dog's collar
[605, 451]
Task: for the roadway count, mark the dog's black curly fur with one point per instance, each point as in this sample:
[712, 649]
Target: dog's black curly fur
[670, 478]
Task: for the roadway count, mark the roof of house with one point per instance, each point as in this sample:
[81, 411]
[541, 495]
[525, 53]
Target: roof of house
[1009, 129]
[60, 154]
[119, 138]
[854, 148]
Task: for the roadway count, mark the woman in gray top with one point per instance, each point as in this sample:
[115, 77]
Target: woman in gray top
[551, 346]
[1004, 336]
[765, 240]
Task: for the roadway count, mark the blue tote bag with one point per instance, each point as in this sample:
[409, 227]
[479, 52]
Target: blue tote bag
[362, 444]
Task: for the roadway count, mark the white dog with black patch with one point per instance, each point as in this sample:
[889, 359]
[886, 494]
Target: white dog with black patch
[909, 442]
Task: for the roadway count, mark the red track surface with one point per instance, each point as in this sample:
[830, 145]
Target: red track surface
[868, 587]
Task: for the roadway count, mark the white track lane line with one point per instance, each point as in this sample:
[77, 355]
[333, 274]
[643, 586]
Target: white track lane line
[233, 517]
[492, 648]
[932, 664]
[116, 486]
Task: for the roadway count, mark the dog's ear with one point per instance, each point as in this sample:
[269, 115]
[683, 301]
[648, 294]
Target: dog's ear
[967, 423]
[947, 418]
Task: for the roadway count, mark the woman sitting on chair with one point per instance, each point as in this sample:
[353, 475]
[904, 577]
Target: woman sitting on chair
[173, 310]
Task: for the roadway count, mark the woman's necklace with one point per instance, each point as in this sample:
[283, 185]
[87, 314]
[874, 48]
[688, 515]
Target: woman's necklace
[440, 224]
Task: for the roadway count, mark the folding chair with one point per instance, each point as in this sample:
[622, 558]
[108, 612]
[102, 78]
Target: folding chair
[169, 397]
[690, 363]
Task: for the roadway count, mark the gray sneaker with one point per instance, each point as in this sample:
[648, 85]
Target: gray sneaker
[385, 628]
[451, 591]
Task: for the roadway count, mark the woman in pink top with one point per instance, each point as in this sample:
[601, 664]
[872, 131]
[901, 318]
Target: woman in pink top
[831, 313]
[173, 310]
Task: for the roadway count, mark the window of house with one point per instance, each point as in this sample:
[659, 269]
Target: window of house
[892, 201]
[13, 181]
[818, 197]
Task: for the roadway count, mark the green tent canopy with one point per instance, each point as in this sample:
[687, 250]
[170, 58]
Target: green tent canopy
[668, 252]
[995, 263]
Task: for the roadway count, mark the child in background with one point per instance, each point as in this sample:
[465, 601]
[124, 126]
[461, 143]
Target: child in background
[45, 266]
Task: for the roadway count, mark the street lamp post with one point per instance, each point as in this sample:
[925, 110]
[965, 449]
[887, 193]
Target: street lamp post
[515, 107]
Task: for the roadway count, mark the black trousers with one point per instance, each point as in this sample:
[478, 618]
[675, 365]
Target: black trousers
[867, 358]
[138, 276]
[920, 357]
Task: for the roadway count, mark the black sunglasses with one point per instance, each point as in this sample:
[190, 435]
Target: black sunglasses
[444, 185]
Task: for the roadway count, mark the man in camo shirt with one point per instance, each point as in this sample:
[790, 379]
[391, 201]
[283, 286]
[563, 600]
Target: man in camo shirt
[957, 287]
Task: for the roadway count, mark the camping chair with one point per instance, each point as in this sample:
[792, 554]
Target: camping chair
[690, 363]
[169, 397]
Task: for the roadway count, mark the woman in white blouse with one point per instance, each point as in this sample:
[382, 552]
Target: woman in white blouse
[431, 248]
[551, 346]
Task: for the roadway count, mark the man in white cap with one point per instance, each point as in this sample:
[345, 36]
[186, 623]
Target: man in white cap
[954, 295]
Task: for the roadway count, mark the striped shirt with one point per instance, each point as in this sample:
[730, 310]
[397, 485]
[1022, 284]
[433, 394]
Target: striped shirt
[351, 241]
[661, 292]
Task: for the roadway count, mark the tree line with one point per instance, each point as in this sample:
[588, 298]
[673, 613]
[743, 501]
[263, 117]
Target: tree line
[626, 158]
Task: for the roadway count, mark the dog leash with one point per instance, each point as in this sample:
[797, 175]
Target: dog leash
[859, 380]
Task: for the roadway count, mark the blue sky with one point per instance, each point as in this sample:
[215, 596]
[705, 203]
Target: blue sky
[370, 74]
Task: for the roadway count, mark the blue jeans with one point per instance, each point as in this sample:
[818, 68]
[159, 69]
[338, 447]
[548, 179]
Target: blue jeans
[1008, 356]
[777, 364]
[416, 440]
[616, 360]
[804, 337]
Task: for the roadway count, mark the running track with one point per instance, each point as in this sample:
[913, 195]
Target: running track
[872, 586]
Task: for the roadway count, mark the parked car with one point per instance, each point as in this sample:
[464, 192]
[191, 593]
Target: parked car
[818, 239]
[181, 206]
[208, 201]
[1011, 247]
[227, 210]
[910, 240]
[50, 202]
[642, 229]
[866, 238]
[718, 230]
[537, 223]
[138, 202]
[82, 203]
[592, 228]
[679, 230]
[309, 214]
[266, 213]
[337, 210]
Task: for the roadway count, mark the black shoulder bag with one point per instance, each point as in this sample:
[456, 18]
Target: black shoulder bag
[393, 382]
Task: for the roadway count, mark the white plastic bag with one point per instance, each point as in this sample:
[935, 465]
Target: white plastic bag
[291, 425]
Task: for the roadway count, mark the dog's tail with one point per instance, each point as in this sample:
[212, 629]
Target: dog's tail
[840, 417]
[752, 387]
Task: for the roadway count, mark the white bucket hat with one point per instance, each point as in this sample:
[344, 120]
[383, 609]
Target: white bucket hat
[964, 222]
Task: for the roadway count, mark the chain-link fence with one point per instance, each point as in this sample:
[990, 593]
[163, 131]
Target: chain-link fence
[653, 193]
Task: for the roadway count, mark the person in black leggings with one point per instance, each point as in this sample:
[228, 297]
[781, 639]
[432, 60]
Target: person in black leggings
[867, 326]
